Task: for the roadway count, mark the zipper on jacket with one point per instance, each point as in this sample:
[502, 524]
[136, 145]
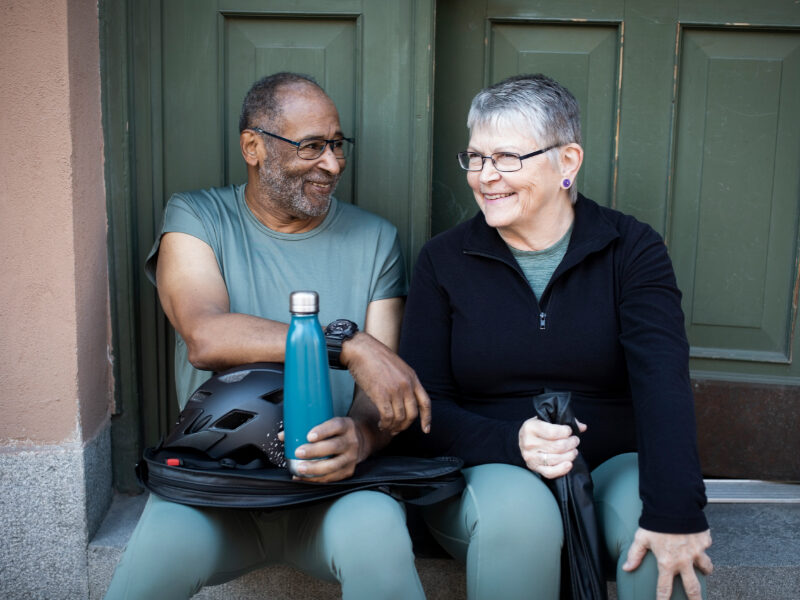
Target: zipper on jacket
[549, 290]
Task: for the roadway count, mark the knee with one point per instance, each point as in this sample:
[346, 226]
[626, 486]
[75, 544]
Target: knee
[617, 502]
[513, 508]
[369, 545]
[366, 522]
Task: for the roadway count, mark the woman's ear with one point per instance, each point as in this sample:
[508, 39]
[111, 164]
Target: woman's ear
[249, 143]
[571, 161]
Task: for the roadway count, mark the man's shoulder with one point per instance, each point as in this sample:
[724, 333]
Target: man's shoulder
[218, 197]
[357, 218]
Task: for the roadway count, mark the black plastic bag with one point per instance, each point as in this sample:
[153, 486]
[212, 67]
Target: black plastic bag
[581, 564]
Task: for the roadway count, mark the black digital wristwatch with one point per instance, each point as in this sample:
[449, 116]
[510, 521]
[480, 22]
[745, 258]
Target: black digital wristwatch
[336, 334]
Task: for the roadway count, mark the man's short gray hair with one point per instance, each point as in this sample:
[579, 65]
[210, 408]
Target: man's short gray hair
[538, 103]
[262, 106]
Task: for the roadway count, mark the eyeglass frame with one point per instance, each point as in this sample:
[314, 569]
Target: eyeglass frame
[297, 144]
[494, 162]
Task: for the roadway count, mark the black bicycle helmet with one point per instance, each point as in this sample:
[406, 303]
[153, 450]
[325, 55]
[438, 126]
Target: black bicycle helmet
[235, 415]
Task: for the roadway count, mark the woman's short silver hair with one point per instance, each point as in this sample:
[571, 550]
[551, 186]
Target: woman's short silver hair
[539, 104]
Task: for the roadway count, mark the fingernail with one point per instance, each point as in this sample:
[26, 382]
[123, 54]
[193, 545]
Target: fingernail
[312, 437]
[300, 452]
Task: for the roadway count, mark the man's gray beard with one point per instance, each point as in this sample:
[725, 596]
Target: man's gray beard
[286, 191]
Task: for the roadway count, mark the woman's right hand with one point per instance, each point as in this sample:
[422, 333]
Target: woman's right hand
[548, 449]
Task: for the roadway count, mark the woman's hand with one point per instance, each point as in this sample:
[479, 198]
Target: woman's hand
[676, 554]
[548, 449]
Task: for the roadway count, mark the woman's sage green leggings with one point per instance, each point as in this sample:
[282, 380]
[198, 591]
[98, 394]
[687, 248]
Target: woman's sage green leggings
[507, 528]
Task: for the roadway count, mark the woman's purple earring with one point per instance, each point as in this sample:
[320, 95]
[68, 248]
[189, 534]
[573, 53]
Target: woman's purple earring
[566, 183]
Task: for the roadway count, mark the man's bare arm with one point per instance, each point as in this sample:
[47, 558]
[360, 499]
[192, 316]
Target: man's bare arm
[195, 300]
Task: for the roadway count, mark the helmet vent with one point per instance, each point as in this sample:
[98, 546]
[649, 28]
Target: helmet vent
[199, 396]
[234, 377]
[199, 424]
[275, 397]
[233, 420]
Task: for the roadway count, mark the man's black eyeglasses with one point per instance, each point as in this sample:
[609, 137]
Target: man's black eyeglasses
[502, 161]
[313, 147]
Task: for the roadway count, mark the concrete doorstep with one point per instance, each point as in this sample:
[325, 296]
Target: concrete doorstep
[756, 554]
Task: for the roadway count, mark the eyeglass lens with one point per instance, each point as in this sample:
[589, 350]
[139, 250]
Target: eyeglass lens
[310, 149]
[502, 161]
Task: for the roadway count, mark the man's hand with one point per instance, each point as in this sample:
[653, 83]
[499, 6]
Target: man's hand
[338, 444]
[676, 554]
[391, 385]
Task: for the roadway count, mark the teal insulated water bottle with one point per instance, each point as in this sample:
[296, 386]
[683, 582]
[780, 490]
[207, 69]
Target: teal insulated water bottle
[306, 382]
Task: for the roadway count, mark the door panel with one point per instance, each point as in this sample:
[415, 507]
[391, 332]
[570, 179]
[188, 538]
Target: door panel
[583, 56]
[734, 202]
[585, 60]
[321, 47]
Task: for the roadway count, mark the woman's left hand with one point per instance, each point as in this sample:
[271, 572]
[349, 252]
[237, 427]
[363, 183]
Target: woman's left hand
[676, 554]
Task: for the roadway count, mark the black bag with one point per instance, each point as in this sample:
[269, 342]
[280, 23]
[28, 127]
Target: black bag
[189, 479]
[581, 564]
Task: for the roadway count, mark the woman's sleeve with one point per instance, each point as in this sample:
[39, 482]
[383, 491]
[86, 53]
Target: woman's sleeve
[657, 354]
[425, 345]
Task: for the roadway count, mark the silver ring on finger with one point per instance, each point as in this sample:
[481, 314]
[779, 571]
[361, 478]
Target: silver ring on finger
[544, 459]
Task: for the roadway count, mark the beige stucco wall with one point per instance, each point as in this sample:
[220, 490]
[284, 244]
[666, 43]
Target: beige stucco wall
[54, 372]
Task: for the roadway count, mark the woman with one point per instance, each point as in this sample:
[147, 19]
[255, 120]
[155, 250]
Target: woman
[545, 289]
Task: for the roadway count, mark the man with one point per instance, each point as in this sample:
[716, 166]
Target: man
[224, 266]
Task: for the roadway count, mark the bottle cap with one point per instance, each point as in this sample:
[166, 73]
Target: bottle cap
[304, 302]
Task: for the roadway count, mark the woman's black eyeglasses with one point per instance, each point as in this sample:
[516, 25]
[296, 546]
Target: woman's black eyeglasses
[502, 161]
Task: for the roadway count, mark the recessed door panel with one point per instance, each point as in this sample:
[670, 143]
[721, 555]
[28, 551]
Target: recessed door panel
[734, 203]
[258, 46]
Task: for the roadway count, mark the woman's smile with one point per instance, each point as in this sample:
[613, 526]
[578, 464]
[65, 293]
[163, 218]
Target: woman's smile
[496, 195]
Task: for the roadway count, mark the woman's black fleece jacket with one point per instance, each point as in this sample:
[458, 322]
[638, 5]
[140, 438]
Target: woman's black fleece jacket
[608, 328]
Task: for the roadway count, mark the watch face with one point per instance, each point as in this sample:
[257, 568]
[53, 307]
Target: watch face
[342, 327]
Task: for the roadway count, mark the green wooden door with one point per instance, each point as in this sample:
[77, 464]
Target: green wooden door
[191, 62]
[691, 121]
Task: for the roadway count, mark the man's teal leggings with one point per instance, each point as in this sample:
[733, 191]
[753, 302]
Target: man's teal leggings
[359, 540]
[507, 528]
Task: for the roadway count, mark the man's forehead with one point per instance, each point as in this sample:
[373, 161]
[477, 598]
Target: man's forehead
[307, 111]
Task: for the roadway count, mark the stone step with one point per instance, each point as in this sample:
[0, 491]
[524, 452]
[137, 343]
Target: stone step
[756, 554]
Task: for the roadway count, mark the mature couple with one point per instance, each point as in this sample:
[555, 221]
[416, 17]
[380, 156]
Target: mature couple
[542, 289]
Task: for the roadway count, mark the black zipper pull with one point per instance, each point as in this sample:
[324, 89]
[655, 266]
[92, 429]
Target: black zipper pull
[542, 320]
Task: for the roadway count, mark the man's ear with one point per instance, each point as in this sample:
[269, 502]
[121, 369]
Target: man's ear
[249, 143]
